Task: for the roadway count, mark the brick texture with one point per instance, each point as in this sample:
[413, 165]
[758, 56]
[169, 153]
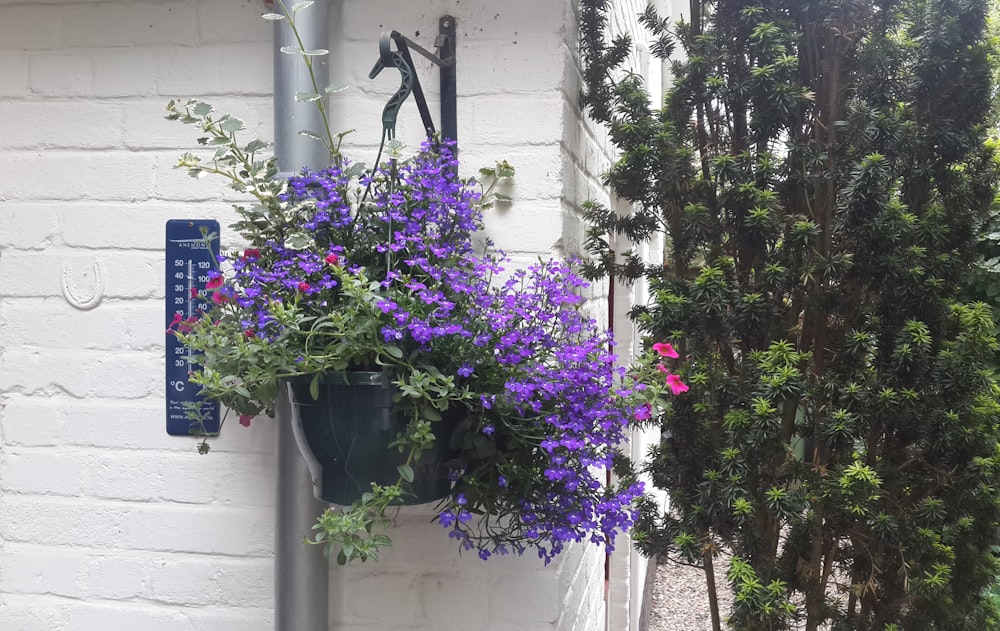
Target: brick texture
[105, 521]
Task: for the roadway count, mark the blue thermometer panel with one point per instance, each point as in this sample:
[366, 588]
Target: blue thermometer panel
[189, 258]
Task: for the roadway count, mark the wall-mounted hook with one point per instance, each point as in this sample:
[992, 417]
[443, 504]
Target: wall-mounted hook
[96, 288]
[389, 59]
[401, 59]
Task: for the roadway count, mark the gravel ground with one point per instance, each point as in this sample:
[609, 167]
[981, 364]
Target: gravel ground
[680, 598]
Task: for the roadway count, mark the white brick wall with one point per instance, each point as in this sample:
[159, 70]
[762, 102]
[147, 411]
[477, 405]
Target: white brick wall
[107, 523]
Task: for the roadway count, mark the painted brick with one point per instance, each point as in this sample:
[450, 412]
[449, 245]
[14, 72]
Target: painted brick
[246, 69]
[30, 26]
[187, 580]
[61, 124]
[60, 521]
[227, 21]
[31, 569]
[42, 472]
[71, 175]
[13, 73]
[111, 374]
[476, 23]
[25, 226]
[123, 72]
[231, 619]
[134, 226]
[40, 274]
[140, 424]
[187, 71]
[114, 577]
[514, 119]
[135, 476]
[452, 600]
[107, 327]
[86, 616]
[358, 596]
[61, 74]
[164, 22]
[536, 594]
[32, 613]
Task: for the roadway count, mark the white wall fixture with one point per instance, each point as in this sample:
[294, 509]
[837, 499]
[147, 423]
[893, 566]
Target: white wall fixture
[91, 294]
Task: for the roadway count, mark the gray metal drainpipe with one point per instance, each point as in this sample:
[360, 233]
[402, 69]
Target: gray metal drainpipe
[301, 572]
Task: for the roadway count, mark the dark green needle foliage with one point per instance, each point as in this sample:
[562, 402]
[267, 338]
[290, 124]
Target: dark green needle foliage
[821, 172]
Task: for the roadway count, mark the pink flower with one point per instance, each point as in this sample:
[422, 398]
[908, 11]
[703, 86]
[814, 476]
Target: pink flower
[303, 286]
[194, 292]
[245, 419]
[676, 385]
[332, 259]
[214, 283]
[665, 350]
[188, 324]
[644, 412]
[177, 320]
[251, 253]
[662, 368]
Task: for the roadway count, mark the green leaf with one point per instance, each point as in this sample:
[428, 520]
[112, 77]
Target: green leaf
[273, 16]
[256, 145]
[316, 52]
[230, 124]
[314, 387]
[394, 351]
[431, 414]
[505, 170]
[298, 241]
[331, 89]
[502, 198]
[354, 170]
[405, 472]
[298, 6]
[309, 134]
[306, 97]
[202, 109]
[291, 50]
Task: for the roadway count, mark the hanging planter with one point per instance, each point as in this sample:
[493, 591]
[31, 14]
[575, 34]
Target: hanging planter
[346, 432]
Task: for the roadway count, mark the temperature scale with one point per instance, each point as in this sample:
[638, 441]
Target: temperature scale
[190, 256]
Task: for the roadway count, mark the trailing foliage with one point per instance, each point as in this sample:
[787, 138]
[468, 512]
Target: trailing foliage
[820, 171]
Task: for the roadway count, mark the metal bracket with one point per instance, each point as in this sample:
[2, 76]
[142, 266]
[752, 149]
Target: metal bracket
[410, 83]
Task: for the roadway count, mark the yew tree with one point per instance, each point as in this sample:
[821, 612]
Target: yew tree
[820, 171]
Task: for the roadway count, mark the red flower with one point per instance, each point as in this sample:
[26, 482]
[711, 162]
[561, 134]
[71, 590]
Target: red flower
[303, 286]
[187, 325]
[194, 292]
[251, 253]
[249, 333]
[665, 350]
[676, 385]
[245, 419]
[175, 321]
[332, 259]
[220, 298]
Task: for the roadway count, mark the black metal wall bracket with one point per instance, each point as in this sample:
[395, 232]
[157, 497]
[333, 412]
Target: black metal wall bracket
[410, 83]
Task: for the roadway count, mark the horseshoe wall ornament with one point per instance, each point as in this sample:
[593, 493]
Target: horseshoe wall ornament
[71, 294]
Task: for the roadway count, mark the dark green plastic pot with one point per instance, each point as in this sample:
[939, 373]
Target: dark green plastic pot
[344, 436]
